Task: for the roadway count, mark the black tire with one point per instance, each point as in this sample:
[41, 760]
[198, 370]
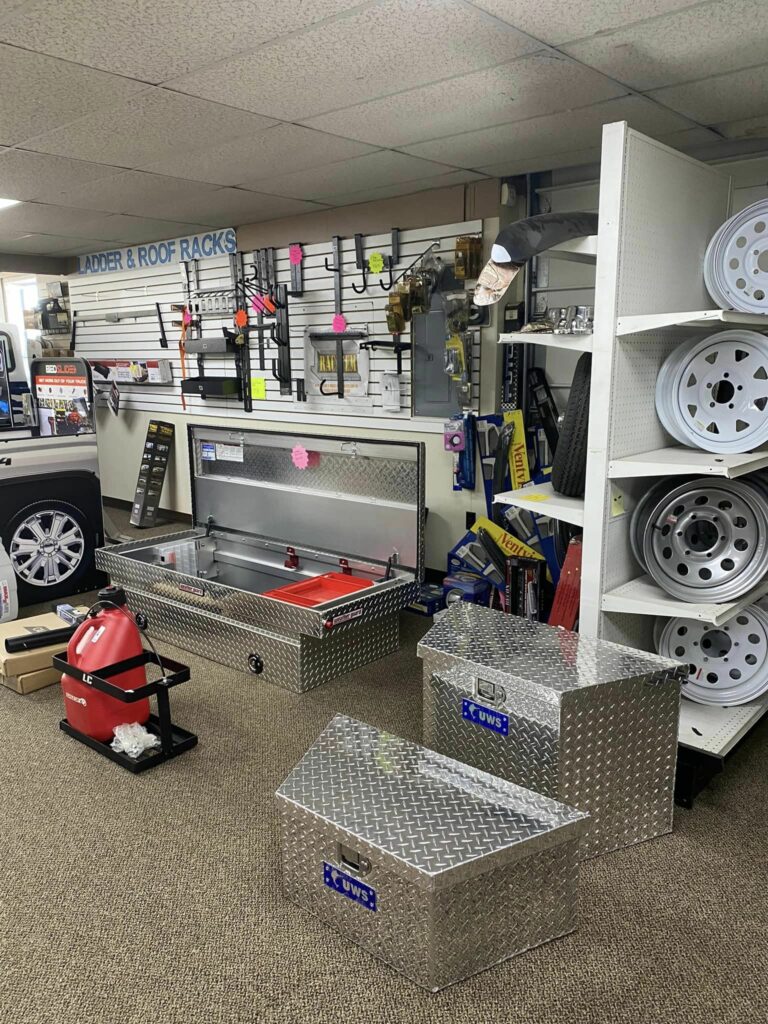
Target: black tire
[569, 465]
[36, 585]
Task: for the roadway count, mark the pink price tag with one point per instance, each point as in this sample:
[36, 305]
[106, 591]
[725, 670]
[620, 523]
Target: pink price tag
[339, 323]
[302, 459]
[295, 253]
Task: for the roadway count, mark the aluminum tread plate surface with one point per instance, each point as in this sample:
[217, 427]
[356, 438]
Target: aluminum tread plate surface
[241, 605]
[551, 661]
[434, 937]
[429, 816]
[609, 749]
[297, 664]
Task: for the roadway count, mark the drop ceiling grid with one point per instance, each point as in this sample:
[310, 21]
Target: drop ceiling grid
[381, 81]
[139, 338]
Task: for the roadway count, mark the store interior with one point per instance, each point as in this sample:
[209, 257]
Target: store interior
[383, 511]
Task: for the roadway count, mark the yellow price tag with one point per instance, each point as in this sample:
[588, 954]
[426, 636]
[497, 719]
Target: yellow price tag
[258, 387]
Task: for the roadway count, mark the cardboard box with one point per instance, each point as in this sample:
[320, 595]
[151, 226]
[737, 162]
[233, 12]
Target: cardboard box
[31, 681]
[14, 665]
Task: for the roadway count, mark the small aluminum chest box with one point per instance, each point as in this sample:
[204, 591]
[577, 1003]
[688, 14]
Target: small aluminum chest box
[438, 869]
[581, 720]
[272, 509]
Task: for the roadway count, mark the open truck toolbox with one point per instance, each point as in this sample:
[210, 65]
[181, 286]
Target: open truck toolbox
[261, 522]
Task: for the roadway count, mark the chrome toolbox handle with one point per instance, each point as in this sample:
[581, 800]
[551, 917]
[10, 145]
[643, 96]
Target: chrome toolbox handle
[490, 693]
[350, 860]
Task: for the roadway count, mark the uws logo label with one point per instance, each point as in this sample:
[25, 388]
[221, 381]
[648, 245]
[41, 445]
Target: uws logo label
[348, 886]
[77, 700]
[487, 717]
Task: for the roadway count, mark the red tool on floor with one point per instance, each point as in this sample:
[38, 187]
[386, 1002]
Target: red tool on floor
[565, 607]
[109, 636]
[104, 682]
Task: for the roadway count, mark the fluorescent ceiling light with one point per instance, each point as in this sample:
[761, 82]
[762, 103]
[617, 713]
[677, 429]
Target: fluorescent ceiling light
[8, 202]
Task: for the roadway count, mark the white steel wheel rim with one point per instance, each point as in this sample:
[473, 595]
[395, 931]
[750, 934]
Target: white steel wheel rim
[666, 386]
[706, 539]
[719, 394]
[728, 664]
[46, 548]
[736, 261]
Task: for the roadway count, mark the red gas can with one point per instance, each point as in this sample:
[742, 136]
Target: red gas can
[103, 639]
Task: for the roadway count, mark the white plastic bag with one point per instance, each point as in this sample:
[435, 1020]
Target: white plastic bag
[133, 739]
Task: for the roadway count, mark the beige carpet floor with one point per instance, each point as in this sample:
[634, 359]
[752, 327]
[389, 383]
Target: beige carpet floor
[157, 898]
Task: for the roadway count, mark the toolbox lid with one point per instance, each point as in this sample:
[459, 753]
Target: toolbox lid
[432, 819]
[551, 660]
[356, 498]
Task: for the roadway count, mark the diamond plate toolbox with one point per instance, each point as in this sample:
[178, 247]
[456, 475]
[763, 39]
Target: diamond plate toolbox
[438, 869]
[272, 509]
[584, 721]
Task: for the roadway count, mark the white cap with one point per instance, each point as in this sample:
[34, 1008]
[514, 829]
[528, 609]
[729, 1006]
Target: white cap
[499, 254]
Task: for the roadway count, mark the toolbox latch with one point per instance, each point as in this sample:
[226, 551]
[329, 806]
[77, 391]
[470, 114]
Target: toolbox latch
[291, 558]
[351, 860]
[490, 692]
[344, 566]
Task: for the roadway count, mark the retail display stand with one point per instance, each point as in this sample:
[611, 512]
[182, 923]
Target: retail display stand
[152, 472]
[658, 211]
[173, 739]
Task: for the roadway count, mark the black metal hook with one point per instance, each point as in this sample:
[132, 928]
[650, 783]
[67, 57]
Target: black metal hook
[332, 270]
[281, 380]
[388, 287]
[364, 288]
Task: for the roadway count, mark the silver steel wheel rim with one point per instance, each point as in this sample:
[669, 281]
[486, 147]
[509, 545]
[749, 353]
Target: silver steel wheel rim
[728, 664]
[706, 539]
[714, 394]
[736, 261]
[46, 548]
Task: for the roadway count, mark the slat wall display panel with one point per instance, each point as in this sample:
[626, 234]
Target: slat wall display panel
[141, 289]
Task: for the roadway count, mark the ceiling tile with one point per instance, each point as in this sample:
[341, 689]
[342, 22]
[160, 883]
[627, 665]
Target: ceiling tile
[153, 126]
[708, 38]
[40, 176]
[285, 146]
[738, 95]
[750, 128]
[135, 192]
[556, 22]
[515, 164]
[39, 93]
[42, 218]
[159, 40]
[383, 49]
[45, 245]
[555, 133]
[126, 230]
[228, 207]
[372, 171]
[541, 83]
[405, 188]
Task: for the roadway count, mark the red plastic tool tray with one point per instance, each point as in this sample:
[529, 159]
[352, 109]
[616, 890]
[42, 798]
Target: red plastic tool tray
[319, 589]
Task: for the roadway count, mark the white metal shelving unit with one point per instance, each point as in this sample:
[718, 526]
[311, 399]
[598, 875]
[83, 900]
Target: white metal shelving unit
[574, 342]
[658, 210]
[542, 499]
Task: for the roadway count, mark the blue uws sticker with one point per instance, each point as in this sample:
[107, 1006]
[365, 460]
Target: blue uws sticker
[487, 717]
[348, 886]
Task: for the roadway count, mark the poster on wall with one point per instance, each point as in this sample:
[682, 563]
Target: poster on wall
[62, 391]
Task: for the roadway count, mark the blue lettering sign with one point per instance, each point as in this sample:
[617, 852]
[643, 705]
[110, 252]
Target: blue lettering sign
[489, 718]
[348, 886]
[158, 254]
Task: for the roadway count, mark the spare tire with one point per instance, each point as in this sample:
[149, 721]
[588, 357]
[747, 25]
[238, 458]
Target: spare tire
[569, 464]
